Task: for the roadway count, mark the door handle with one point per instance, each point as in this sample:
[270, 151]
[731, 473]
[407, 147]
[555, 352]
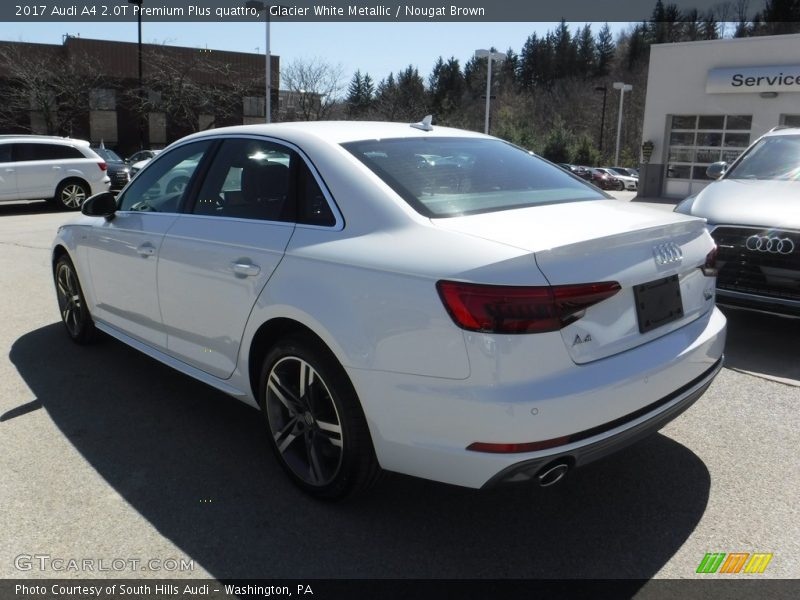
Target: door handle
[56, 168]
[9, 170]
[245, 267]
[146, 249]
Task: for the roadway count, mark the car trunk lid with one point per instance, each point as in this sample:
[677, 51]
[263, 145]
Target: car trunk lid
[654, 255]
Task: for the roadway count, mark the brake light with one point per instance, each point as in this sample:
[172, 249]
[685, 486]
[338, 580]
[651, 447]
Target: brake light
[709, 268]
[520, 309]
[103, 166]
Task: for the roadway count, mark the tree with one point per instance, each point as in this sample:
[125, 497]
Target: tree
[557, 144]
[446, 85]
[585, 153]
[412, 102]
[360, 95]
[605, 51]
[185, 86]
[526, 71]
[586, 52]
[54, 89]
[386, 98]
[316, 85]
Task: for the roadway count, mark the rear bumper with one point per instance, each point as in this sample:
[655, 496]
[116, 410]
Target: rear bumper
[421, 426]
[677, 402]
[757, 302]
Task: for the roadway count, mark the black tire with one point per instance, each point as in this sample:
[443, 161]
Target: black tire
[72, 304]
[71, 194]
[317, 429]
[619, 186]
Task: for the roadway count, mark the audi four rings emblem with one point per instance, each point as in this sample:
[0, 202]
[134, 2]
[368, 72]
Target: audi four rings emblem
[770, 243]
[667, 254]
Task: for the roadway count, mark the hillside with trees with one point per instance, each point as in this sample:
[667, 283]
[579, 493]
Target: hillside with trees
[548, 95]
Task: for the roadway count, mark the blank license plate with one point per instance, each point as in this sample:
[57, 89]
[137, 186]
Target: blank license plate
[658, 303]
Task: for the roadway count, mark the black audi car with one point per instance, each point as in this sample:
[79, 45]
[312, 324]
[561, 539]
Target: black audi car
[118, 171]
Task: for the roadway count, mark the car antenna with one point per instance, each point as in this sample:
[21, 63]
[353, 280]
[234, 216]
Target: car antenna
[425, 124]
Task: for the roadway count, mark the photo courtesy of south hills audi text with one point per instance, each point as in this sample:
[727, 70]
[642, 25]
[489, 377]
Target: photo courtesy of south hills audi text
[139, 590]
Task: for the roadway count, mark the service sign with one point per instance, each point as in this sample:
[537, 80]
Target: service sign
[742, 80]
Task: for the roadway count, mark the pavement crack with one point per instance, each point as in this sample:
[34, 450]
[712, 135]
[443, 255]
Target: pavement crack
[18, 245]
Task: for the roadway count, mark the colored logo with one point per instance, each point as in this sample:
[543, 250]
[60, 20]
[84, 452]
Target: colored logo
[735, 562]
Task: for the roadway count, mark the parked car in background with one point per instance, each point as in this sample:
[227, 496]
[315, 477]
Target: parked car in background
[606, 181]
[118, 171]
[482, 319]
[141, 155]
[625, 171]
[63, 170]
[582, 172]
[753, 214]
[631, 183]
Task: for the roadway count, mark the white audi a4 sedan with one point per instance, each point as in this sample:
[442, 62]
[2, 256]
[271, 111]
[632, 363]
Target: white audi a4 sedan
[400, 297]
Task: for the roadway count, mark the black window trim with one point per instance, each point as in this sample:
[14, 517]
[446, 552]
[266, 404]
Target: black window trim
[192, 187]
[191, 197]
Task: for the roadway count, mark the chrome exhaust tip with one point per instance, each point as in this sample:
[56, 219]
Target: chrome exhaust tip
[552, 474]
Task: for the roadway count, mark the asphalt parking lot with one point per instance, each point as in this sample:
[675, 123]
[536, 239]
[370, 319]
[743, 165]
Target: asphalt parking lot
[107, 454]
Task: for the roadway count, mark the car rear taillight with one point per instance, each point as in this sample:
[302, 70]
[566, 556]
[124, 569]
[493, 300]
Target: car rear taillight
[520, 309]
[103, 166]
[709, 268]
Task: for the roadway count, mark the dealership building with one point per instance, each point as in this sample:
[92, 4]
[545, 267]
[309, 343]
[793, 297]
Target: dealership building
[707, 101]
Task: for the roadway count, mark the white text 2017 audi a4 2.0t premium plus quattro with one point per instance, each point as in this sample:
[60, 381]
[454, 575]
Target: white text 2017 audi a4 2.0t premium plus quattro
[412, 298]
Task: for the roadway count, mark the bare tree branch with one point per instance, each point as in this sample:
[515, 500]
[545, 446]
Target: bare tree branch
[316, 86]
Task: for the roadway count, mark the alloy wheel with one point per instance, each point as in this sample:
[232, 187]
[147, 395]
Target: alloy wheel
[69, 299]
[304, 422]
[73, 195]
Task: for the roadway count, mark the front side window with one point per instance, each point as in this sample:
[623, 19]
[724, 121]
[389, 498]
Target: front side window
[445, 177]
[249, 179]
[775, 157]
[160, 187]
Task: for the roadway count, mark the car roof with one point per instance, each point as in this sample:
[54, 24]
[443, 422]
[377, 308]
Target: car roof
[338, 132]
[49, 139]
[782, 130]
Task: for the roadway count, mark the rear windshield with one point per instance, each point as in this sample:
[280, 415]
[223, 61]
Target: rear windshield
[446, 177]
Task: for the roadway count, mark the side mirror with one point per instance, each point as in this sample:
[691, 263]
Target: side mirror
[103, 204]
[716, 170]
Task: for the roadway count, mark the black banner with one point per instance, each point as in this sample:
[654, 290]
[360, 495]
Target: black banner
[388, 589]
[340, 10]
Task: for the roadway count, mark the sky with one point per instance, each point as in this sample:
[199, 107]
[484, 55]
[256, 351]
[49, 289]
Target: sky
[374, 48]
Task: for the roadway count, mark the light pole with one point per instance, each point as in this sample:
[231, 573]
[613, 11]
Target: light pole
[259, 5]
[141, 85]
[489, 56]
[602, 88]
[622, 87]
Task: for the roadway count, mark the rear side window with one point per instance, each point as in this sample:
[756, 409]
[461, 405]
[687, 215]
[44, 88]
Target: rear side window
[445, 177]
[312, 206]
[24, 152]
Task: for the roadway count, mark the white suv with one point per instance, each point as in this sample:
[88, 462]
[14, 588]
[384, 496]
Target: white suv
[62, 170]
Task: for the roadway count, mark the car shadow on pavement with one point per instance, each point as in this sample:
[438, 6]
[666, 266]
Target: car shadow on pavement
[196, 465]
[28, 208]
[763, 344]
